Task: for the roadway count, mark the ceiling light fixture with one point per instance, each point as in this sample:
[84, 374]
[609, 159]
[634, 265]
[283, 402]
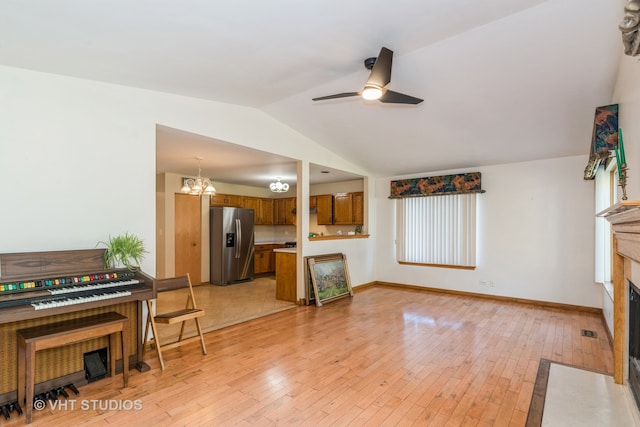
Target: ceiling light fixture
[199, 185]
[279, 187]
[371, 92]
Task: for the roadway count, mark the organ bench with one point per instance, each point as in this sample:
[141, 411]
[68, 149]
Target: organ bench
[64, 333]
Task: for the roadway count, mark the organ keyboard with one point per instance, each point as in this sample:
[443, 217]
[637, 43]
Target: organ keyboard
[50, 293]
[20, 297]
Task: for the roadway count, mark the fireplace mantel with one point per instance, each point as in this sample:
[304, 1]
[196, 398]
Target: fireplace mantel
[624, 218]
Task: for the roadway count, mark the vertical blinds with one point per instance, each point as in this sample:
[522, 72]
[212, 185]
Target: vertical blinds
[437, 230]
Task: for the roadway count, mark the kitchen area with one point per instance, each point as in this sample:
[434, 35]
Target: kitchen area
[272, 285]
[242, 178]
[332, 215]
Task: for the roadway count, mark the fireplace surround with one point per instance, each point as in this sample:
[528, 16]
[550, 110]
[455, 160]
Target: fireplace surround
[624, 218]
[634, 341]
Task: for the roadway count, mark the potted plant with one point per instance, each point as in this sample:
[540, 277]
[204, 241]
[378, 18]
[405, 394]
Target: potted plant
[124, 250]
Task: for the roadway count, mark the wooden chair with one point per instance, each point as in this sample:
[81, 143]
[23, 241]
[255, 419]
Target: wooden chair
[181, 316]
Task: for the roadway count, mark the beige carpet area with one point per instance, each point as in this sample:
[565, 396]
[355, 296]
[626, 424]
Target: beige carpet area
[581, 398]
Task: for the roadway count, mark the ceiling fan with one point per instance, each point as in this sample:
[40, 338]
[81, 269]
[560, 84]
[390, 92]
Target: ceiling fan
[374, 88]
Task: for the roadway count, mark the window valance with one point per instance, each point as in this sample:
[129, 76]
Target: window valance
[437, 185]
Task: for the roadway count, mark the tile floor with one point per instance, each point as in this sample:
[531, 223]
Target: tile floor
[577, 397]
[224, 305]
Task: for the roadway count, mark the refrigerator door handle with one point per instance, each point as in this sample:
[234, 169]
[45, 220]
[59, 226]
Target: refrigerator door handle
[239, 237]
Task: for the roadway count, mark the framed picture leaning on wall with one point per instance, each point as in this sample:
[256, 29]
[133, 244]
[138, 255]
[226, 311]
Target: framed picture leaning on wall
[329, 278]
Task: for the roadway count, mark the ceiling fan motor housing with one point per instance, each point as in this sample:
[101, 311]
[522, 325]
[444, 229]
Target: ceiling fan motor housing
[369, 62]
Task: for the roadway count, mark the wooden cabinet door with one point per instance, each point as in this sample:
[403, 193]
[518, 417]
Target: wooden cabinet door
[325, 209]
[262, 261]
[187, 244]
[358, 208]
[290, 211]
[279, 216]
[284, 211]
[226, 200]
[266, 211]
[342, 209]
[313, 202]
[253, 203]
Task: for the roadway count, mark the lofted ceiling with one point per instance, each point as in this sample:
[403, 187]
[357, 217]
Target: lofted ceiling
[502, 80]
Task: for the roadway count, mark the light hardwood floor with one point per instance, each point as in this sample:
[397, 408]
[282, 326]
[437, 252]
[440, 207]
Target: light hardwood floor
[386, 356]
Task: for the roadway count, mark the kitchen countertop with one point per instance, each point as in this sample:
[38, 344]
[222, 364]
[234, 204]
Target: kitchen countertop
[286, 250]
[270, 242]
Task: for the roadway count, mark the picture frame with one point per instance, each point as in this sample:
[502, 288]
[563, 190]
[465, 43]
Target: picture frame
[328, 277]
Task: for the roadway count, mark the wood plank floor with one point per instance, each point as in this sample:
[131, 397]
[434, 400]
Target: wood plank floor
[384, 357]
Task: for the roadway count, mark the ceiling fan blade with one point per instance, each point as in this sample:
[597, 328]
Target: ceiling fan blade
[399, 98]
[337, 95]
[381, 72]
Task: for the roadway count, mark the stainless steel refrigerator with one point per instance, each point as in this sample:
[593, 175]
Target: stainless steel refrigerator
[231, 245]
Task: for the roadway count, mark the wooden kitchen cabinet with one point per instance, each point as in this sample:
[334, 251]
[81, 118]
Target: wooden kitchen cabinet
[230, 200]
[290, 211]
[262, 208]
[358, 208]
[284, 211]
[262, 259]
[348, 208]
[286, 275]
[266, 211]
[252, 203]
[313, 202]
[342, 209]
[325, 209]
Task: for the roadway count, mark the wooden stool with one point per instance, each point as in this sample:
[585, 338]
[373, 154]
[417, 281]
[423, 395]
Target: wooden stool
[59, 334]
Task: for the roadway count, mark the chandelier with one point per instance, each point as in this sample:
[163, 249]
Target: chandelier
[279, 187]
[199, 185]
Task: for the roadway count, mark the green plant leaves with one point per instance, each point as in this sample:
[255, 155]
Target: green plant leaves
[125, 249]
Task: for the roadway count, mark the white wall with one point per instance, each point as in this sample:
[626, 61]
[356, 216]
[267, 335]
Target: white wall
[627, 95]
[536, 235]
[77, 159]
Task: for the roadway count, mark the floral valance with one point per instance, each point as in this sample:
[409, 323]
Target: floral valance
[437, 185]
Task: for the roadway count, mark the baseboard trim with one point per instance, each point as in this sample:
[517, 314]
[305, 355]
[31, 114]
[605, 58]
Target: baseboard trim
[548, 304]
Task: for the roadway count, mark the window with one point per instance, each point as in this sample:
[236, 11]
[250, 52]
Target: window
[437, 230]
[606, 194]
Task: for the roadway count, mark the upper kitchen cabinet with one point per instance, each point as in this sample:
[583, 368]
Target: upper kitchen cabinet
[284, 211]
[358, 207]
[340, 208]
[324, 203]
[230, 200]
[266, 211]
[263, 209]
[348, 208]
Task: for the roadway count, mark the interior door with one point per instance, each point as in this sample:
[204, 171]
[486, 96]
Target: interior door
[188, 247]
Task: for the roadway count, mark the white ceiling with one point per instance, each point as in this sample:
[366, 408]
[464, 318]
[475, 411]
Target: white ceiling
[503, 80]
